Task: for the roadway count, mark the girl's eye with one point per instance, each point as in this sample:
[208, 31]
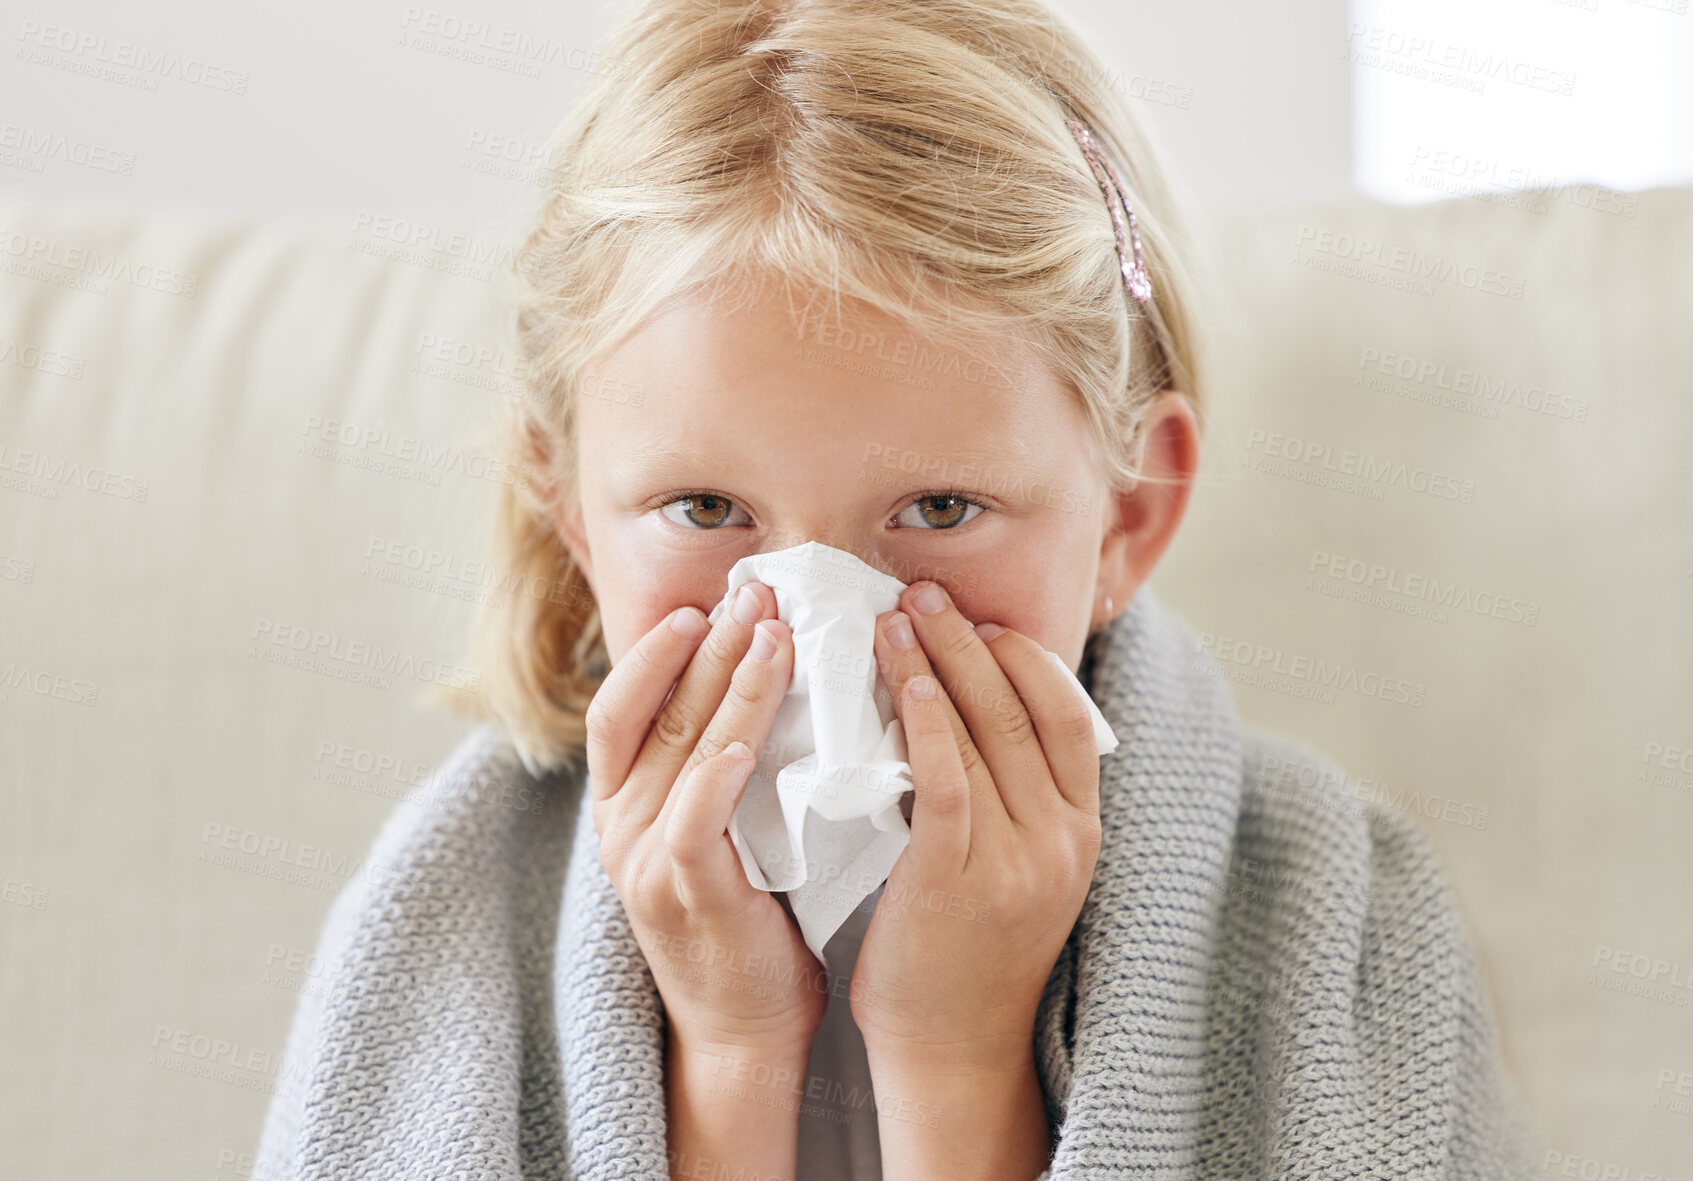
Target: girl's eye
[935, 512]
[942, 510]
[702, 510]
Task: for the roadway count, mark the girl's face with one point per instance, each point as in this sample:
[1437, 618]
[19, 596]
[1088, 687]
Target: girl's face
[712, 434]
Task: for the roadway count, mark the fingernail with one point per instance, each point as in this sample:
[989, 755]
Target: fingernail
[747, 608]
[929, 599]
[738, 750]
[923, 686]
[763, 643]
[899, 632]
[988, 630]
[689, 622]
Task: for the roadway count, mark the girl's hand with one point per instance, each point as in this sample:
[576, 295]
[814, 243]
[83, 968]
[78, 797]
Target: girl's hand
[731, 966]
[1005, 832]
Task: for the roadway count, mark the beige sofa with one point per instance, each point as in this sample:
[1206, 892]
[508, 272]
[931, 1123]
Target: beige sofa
[1449, 468]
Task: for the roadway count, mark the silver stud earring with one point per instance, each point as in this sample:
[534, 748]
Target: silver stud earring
[1107, 606]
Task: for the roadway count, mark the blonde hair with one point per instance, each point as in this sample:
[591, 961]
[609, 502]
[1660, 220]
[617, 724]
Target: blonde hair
[912, 154]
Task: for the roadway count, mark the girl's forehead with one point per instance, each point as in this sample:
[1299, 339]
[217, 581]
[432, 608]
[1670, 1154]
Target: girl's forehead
[698, 332]
[648, 406]
[702, 386]
[782, 444]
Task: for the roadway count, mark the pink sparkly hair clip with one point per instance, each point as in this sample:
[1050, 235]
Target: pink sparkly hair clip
[1134, 275]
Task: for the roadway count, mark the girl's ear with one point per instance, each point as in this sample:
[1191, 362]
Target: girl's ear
[1147, 516]
[538, 444]
[568, 521]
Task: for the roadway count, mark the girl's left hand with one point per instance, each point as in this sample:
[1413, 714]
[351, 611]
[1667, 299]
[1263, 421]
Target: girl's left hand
[1005, 833]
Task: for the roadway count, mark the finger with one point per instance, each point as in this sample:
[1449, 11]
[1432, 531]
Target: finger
[1061, 720]
[627, 700]
[696, 832]
[683, 718]
[941, 812]
[999, 724]
[899, 665]
[748, 710]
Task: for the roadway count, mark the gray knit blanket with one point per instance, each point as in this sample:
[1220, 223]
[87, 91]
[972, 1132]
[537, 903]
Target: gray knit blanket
[1268, 979]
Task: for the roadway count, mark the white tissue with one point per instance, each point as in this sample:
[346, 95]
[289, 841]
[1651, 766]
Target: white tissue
[820, 818]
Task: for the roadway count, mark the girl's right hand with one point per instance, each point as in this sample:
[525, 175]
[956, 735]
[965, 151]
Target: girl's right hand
[731, 966]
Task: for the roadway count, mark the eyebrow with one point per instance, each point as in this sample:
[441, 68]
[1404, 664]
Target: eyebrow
[645, 457]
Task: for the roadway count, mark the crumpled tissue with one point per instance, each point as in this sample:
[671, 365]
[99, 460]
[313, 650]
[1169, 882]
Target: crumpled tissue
[821, 818]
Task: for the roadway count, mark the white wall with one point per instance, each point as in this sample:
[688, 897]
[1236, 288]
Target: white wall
[321, 111]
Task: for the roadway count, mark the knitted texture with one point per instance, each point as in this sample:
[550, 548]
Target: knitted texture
[1268, 979]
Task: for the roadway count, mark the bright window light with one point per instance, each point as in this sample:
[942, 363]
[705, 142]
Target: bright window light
[1454, 97]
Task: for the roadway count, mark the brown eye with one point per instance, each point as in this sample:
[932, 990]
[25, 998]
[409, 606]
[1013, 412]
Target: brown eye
[700, 510]
[715, 508]
[943, 511]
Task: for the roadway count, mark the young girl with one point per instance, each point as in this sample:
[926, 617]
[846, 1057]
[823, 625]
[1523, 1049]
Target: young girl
[901, 277]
